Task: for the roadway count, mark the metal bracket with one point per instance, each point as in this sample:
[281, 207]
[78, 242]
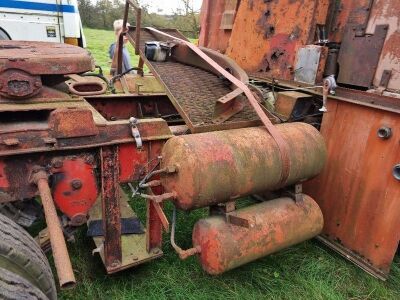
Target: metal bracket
[227, 106]
[228, 211]
[296, 193]
[234, 219]
[135, 132]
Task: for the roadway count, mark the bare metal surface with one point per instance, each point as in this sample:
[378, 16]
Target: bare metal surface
[60, 252]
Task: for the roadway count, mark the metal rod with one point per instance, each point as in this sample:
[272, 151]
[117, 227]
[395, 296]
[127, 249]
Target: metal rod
[138, 24]
[60, 252]
[183, 254]
[111, 210]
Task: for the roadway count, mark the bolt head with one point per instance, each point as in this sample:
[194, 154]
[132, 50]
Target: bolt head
[76, 184]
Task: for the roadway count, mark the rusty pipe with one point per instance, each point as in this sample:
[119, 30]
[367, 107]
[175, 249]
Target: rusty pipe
[183, 254]
[60, 253]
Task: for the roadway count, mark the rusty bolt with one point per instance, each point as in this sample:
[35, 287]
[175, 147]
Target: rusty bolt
[78, 220]
[115, 264]
[76, 184]
[57, 163]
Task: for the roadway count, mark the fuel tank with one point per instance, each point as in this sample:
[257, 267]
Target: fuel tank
[220, 166]
[277, 224]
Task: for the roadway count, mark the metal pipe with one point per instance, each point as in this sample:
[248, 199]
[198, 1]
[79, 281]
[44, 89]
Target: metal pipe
[60, 253]
[183, 254]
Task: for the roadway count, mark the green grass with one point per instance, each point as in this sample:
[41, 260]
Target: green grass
[306, 271]
[98, 42]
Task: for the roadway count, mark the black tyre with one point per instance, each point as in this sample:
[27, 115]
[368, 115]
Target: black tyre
[4, 35]
[20, 254]
[14, 287]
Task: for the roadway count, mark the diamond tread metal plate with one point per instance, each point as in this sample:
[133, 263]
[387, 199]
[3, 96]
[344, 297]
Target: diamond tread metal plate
[195, 91]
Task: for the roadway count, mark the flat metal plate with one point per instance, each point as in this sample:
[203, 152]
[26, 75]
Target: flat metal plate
[359, 56]
[356, 191]
[134, 250]
[41, 58]
[307, 64]
[194, 91]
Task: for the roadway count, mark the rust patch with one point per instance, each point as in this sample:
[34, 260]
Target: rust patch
[3, 178]
[360, 206]
[275, 224]
[68, 123]
[43, 58]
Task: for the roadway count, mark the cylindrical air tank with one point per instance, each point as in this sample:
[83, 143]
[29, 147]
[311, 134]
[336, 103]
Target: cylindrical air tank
[220, 166]
[276, 224]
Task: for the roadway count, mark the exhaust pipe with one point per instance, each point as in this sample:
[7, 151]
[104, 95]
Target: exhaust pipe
[60, 253]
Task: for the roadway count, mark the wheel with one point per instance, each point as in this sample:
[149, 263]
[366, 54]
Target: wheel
[24, 212]
[14, 287]
[20, 254]
[3, 35]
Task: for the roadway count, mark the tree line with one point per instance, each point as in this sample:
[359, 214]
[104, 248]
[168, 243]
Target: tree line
[101, 14]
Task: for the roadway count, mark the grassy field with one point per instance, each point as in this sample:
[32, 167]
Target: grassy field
[306, 271]
[98, 42]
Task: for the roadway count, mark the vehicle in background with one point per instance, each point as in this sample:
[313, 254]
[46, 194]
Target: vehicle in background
[41, 20]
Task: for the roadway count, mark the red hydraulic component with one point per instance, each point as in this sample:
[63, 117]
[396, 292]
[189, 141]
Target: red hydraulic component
[221, 166]
[274, 225]
[74, 187]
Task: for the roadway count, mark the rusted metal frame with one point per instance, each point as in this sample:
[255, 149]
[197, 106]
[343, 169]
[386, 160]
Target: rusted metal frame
[43, 58]
[108, 135]
[188, 57]
[203, 39]
[120, 43]
[111, 207]
[80, 81]
[342, 94]
[282, 144]
[138, 10]
[354, 258]
[227, 106]
[362, 28]
[155, 218]
[62, 261]
[167, 91]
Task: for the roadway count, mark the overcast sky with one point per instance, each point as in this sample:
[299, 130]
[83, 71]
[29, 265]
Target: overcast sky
[168, 6]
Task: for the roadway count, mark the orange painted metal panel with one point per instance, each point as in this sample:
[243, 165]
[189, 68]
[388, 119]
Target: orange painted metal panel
[387, 12]
[353, 12]
[357, 192]
[211, 34]
[266, 34]
[3, 178]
